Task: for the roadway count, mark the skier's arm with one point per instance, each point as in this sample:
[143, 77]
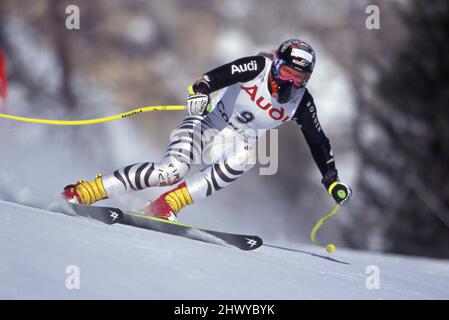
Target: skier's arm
[307, 118]
[241, 70]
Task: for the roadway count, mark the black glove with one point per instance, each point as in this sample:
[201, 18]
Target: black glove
[339, 191]
[198, 104]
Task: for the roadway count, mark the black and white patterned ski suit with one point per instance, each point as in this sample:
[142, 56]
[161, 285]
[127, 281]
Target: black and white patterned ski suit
[224, 140]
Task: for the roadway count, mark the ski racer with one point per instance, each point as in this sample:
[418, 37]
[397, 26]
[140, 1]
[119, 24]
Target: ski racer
[255, 94]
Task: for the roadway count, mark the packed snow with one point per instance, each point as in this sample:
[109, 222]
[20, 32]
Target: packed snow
[42, 251]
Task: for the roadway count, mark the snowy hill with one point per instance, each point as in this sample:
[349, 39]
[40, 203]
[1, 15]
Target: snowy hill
[37, 246]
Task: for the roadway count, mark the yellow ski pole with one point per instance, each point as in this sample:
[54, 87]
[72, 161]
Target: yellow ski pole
[92, 121]
[330, 247]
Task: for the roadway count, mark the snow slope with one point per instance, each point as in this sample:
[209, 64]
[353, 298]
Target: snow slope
[36, 246]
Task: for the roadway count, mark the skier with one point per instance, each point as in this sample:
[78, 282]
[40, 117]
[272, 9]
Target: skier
[256, 93]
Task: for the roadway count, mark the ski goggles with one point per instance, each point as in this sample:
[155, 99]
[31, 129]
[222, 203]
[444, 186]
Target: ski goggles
[287, 73]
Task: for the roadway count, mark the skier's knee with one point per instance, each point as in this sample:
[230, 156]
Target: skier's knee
[243, 160]
[171, 171]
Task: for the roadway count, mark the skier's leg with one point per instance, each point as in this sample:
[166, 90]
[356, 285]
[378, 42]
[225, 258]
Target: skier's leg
[219, 175]
[170, 170]
[134, 177]
[237, 157]
[140, 176]
[203, 184]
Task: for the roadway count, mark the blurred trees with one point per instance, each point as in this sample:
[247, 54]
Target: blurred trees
[416, 88]
[405, 160]
[399, 76]
[121, 47]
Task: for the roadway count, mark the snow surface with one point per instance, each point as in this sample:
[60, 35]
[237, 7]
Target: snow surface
[36, 247]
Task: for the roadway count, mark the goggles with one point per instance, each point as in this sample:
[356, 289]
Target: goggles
[287, 73]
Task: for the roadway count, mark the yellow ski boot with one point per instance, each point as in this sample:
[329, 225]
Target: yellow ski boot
[84, 192]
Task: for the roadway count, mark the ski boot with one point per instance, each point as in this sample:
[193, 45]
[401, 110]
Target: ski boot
[167, 205]
[84, 192]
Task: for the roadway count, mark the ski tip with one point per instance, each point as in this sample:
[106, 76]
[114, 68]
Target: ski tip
[252, 243]
[108, 215]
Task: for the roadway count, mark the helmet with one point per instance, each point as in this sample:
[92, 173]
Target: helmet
[293, 63]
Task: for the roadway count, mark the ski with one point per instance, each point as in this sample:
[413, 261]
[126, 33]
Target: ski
[110, 215]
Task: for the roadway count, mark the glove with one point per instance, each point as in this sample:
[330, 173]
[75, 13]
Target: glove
[338, 190]
[198, 104]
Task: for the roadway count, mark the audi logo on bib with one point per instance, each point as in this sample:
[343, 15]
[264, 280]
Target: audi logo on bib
[274, 113]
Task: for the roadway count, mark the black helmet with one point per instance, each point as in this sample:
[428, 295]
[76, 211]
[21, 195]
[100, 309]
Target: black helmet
[293, 63]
